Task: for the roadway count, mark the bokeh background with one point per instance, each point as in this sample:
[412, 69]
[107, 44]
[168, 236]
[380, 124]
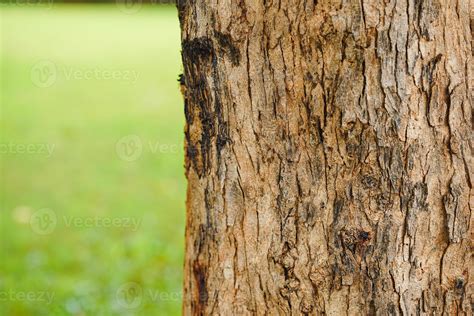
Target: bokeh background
[92, 194]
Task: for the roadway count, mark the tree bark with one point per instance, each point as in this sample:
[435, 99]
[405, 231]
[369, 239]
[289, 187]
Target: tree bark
[329, 157]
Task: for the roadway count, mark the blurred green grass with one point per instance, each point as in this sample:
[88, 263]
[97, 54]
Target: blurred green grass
[87, 176]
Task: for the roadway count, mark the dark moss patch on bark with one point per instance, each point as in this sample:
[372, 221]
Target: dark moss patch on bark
[197, 50]
[227, 47]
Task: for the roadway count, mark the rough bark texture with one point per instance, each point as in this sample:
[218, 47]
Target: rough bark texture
[329, 154]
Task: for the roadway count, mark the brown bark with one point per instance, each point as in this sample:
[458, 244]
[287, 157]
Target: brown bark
[329, 157]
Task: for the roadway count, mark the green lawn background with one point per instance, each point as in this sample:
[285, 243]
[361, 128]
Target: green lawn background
[88, 176]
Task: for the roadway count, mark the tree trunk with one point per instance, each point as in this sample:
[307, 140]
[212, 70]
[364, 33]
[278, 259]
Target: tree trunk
[329, 157]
